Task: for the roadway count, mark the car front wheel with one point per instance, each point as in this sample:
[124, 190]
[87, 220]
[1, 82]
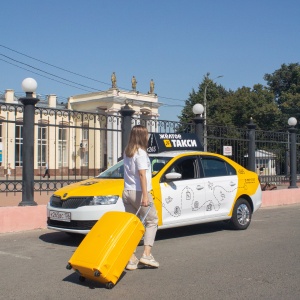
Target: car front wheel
[241, 216]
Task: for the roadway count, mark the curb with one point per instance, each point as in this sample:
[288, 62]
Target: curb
[22, 218]
[280, 197]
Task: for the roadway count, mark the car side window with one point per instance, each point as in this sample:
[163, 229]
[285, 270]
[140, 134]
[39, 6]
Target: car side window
[158, 163]
[188, 167]
[214, 167]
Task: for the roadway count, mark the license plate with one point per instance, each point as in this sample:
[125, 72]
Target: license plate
[60, 216]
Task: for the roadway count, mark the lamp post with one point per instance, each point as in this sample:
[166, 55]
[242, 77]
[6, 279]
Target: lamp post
[207, 82]
[29, 86]
[293, 160]
[198, 120]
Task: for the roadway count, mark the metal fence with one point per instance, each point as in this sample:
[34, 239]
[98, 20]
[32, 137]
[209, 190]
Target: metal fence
[272, 155]
[77, 145]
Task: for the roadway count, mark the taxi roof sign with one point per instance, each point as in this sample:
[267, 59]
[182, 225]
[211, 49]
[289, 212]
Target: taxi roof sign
[160, 142]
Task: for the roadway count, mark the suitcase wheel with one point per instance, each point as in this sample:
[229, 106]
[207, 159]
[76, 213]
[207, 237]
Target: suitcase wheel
[109, 285]
[81, 279]
[96, 273]
[68, 267]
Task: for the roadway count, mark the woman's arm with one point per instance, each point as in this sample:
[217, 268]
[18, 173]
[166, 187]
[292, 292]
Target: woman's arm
[143, 180]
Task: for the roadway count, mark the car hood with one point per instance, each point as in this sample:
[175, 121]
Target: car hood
[92, 187]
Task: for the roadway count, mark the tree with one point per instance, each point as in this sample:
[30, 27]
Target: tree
[187, 112]
[213, 91]
[269, 106]
[257, 103]
[285, 84]
[285, 79]
[229, 108]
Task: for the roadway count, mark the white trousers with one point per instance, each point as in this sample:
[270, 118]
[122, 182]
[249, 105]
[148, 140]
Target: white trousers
[132, 202]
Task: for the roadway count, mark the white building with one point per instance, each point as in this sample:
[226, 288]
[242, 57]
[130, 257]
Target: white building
[110, 102]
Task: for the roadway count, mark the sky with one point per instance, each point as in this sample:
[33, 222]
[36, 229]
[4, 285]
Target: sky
[71, 47]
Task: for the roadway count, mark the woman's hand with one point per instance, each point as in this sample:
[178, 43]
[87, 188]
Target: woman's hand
[145, 201]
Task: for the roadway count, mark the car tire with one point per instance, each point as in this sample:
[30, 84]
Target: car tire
[242, 214]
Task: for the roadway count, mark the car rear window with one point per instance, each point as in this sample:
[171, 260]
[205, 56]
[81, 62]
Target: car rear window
[214, 167]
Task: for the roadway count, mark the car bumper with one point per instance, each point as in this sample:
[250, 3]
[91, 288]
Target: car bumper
[257, 199]
[82, 218]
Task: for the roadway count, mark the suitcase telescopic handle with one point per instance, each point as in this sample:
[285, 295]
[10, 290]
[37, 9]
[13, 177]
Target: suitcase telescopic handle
[147, 212]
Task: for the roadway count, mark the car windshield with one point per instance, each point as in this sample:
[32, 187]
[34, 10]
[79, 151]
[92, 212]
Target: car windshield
[117, 171]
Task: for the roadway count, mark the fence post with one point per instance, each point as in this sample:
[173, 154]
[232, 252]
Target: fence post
[199, 129]
[126, 112]
[293, 155]
[251, 146]
[287, 158]
[29, 86]
[199, 123]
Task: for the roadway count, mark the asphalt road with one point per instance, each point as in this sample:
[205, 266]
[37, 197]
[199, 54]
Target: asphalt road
[197, 262]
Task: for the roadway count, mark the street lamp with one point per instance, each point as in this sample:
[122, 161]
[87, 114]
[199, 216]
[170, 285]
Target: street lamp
[207, 82]
[293, 159]
[198, 110]
[29, 86]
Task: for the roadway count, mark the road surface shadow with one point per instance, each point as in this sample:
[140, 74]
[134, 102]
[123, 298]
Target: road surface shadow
[62, 238]
[91, 284]
[190, 230]
[73, 240]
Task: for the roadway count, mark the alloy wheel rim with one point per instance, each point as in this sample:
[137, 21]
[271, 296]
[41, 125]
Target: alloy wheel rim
[243, 214]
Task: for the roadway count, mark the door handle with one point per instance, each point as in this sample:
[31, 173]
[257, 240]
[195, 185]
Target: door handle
[232, 183]
[199, 187]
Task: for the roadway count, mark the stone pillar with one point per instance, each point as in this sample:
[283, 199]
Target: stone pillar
[199, 129]
[29, 103]
[251, 146]
[126, 113]
[293, 158]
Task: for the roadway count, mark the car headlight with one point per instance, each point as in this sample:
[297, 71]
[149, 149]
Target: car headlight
[104, 200]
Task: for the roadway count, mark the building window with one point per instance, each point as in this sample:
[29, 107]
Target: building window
[85, 150]
[85, 134]
[19, 145]
[86, 158]
[42, 146]
[62, 147]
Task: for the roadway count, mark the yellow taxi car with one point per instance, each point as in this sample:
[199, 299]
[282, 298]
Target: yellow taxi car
[189, 187]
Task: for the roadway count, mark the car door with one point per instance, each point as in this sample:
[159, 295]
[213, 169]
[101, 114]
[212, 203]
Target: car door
[221, 184]
[182, 199]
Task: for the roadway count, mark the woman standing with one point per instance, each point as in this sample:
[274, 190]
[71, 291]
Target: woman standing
[137, 187]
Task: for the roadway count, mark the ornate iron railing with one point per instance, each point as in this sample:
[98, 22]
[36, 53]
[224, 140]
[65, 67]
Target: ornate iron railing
[77, 145]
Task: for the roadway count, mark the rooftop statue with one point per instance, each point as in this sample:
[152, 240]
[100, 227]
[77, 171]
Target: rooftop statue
[113, 80]
[152, 86]
[133, 83]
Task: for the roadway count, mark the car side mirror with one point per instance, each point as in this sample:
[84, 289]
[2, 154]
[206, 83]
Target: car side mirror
[173, 176]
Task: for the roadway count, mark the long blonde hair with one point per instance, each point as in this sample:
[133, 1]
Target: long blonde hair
[138, 139]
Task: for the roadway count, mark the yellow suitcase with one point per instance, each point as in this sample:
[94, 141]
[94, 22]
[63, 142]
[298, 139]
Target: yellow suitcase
[104, 252]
